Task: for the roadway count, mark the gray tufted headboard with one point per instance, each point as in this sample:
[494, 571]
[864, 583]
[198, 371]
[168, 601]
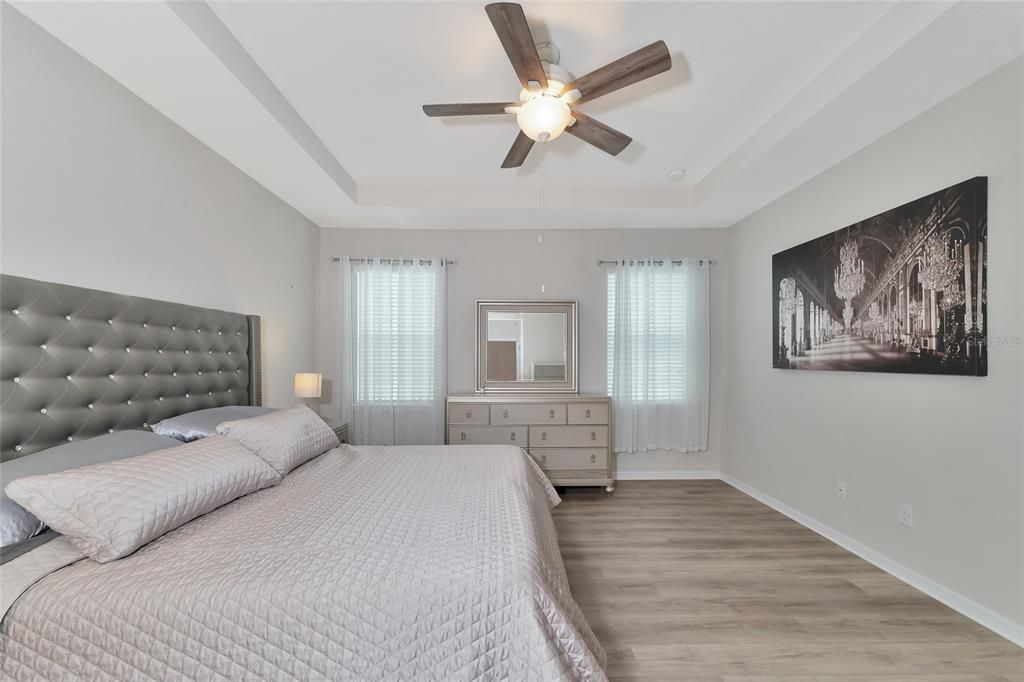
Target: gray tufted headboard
[76, 363]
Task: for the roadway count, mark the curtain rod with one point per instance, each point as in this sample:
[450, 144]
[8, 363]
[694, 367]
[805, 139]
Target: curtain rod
[700, 263]
[422, 261]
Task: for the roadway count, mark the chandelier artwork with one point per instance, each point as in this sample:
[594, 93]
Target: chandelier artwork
[787, 298]
[849, 277]
[901, 291]
[941, 271]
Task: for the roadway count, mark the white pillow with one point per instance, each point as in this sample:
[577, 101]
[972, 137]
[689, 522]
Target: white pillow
[283, 439]
[108, 511]
[18, 524]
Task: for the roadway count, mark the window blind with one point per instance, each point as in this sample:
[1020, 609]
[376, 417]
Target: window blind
[655, 336]
[395, 334]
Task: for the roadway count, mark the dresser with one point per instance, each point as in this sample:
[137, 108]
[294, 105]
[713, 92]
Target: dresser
[569, 436]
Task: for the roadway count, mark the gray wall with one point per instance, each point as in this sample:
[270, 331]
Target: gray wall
[950, 446]
[511, 264]
[100, 190]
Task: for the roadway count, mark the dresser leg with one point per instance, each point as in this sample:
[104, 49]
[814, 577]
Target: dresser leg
[610, 488]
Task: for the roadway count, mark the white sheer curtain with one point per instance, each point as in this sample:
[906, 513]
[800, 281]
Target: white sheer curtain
[658, 355]
[392, 350]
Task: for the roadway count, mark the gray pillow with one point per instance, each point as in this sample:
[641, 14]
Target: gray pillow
[203, 423]
[18, 524]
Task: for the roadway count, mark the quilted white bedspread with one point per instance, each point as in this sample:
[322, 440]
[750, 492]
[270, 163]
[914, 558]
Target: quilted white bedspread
[368, 563]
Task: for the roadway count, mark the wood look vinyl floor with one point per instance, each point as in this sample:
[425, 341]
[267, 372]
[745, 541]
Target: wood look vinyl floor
[695, 581]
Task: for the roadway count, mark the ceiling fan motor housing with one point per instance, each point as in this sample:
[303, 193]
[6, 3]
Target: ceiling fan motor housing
[549, 53]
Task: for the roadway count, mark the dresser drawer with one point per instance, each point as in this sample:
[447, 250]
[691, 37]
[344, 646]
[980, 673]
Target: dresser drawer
[526, 413]
[569, 436]
[468, 413]
[588, 413]
[487, 435]
[571, 458]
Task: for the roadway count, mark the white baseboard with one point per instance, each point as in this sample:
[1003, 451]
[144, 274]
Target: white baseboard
[1002, 626]
[671, 475]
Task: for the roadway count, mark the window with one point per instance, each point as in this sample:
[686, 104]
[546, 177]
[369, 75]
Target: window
[391, 349]
[656, 333]
[658, 359]
[395, 318]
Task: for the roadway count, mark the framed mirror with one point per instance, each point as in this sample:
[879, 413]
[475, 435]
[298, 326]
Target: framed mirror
[526, 346]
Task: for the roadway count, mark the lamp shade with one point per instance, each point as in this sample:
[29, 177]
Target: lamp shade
[307, 385]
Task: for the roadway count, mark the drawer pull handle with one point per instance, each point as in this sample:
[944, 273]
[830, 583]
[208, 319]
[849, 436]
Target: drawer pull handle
[588, 414]
[543, 459]
[543, 435]
[513, 435]
[504, 413]
[469, 413]
[593, 459]
[593, 435]
[463, 434]
[551, 414]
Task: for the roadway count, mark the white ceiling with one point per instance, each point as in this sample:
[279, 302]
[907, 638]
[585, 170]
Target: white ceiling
[361, 72]
[320, 101]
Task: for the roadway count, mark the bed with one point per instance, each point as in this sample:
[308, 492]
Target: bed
[364, 563]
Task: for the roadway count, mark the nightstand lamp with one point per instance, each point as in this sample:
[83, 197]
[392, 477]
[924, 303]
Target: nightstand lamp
[307, 385]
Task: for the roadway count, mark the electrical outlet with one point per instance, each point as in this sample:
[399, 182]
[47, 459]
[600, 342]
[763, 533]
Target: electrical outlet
[905, 515]
[841, 489]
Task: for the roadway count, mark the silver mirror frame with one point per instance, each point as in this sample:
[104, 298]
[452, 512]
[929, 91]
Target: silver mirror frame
[571, 383]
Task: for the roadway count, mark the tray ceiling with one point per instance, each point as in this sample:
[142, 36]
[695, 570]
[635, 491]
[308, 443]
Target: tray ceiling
[320, 101]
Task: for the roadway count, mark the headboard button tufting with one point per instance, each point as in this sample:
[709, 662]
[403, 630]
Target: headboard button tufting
[61, 321]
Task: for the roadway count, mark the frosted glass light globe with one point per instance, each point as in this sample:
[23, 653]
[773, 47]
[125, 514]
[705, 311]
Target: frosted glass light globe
[543, 117]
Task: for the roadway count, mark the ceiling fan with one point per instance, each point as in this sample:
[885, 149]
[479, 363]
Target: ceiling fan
[546, 105]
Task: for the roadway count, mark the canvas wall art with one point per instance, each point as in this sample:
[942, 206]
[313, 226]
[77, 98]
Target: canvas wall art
[903, 291]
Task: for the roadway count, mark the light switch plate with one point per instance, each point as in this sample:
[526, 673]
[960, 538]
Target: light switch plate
[905, 515]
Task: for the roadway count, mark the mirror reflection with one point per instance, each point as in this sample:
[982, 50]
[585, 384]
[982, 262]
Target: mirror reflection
[526, 346]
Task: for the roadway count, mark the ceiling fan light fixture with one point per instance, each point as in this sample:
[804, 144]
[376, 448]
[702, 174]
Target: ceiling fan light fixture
[543, 117]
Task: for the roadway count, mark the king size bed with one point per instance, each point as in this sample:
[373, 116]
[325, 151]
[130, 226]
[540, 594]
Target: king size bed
[356, 563]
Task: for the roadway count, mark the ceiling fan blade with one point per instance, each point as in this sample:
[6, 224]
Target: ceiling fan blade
[517, 154]
[514, 33]
[633, 68]
[476, 109]
[598, 134]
